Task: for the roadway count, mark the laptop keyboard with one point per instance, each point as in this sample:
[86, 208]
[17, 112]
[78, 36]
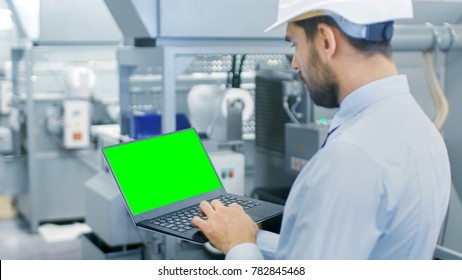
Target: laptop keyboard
[181, 220]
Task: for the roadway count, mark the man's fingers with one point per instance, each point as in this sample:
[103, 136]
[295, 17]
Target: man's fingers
[216, 204]
[198, 222]
[206, 208]
[235, 205]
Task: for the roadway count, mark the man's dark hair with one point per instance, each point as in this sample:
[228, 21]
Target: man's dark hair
[310, 26]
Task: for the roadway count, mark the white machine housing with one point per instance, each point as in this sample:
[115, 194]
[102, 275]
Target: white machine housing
[76, 124]
[6, 140]
[230, 167]
[6, 97]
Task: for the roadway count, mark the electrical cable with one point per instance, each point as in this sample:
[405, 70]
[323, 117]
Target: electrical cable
[241, 65]
[285, 105]
[231, 73]
[442, 112]
[293, 108]
[438, 95]
[234, 75]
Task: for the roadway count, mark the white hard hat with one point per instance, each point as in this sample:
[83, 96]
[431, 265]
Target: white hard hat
[359, 12]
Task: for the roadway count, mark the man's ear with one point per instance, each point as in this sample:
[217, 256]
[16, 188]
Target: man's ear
[326, 41]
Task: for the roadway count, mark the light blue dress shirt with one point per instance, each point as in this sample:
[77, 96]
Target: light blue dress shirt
[378, 189]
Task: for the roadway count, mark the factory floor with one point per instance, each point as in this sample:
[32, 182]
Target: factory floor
[17, 243]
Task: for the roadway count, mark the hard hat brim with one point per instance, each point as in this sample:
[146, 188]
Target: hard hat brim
[346, 10]
[276, 25]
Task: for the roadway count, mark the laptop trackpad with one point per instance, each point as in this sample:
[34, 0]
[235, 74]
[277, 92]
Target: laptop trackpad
[199, 236]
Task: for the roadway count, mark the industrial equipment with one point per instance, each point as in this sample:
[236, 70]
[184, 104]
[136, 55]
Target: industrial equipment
[219, 113]
[53, 80]
[6, 97]
[301, 143]
[113, 234]
[273, 89]
[6, 140]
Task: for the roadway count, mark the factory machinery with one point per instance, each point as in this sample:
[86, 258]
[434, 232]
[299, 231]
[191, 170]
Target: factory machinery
[172, 61]
[52, 105]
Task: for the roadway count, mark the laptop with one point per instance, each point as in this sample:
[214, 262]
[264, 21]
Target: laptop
[164, 178]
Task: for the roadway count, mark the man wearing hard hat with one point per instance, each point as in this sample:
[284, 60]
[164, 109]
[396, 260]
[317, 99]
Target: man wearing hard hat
[379, 186]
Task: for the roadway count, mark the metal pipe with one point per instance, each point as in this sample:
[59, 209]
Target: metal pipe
[427, 37]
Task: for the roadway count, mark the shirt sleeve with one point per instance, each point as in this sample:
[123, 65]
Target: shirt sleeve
[264, 249]
[244, 251]
[332, 210]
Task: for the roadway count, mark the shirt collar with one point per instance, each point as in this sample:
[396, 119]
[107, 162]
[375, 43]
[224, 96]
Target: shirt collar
[367, 95]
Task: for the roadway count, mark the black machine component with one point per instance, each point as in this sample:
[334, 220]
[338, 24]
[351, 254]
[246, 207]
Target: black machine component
[270, 117]
[275, 91]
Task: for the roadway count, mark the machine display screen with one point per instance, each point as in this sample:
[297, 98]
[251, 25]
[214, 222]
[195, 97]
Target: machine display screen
[162, 170]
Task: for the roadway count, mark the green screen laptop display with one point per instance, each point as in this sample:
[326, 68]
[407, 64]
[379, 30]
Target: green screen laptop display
[162, 170]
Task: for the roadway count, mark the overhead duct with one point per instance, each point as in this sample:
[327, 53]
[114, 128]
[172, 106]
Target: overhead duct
[56, 22]
[135, 18]
[426, 37]
[202, 19]
[222, 19]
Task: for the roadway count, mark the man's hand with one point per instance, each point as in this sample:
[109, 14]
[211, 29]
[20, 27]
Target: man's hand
[226, 227]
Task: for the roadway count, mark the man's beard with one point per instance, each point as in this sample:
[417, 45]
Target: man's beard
[323, 85]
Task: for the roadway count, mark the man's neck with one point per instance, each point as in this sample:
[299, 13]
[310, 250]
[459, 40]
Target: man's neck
[358, 70]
